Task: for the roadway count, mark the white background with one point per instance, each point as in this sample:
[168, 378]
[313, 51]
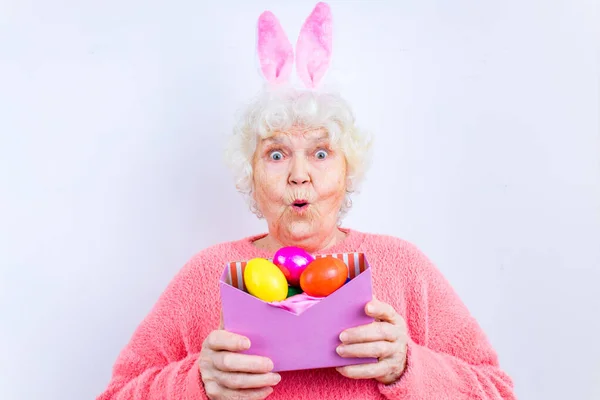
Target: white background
[113, 117]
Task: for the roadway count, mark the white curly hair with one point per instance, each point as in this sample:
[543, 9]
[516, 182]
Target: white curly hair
[279, 109]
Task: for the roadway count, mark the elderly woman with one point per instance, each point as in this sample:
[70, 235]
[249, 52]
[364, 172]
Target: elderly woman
[298, 156]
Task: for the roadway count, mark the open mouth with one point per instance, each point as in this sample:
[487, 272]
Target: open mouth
[300, 204]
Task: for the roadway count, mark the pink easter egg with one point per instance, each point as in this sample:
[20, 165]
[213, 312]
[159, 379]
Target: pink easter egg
[292, 261]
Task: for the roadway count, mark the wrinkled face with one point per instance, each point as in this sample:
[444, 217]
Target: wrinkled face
[299, 183]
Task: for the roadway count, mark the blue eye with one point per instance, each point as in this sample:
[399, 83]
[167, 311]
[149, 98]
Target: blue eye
[276, 155]
[321, 154]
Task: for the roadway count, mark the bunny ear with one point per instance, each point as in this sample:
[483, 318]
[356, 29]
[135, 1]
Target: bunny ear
[313, 49]
[274, 49]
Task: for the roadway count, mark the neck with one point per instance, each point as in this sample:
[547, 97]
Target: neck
[311, 244]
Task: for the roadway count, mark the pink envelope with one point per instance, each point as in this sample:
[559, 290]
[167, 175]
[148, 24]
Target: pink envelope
[304, 341]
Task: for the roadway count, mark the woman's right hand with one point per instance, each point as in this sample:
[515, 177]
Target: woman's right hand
[229, 375]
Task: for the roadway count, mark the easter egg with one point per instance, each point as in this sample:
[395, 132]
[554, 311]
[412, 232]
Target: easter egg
[323, 276]
[293, 290]
[292, 261]
[264, 280]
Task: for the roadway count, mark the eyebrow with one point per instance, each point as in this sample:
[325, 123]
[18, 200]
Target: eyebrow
[273, 139]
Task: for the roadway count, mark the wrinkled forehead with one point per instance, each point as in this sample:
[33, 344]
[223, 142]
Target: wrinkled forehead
[298, 134]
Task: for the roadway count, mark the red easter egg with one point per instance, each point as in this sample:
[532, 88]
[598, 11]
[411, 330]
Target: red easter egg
[323, 276]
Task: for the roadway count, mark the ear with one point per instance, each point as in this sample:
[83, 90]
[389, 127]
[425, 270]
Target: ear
[275, 51]
[313, 50]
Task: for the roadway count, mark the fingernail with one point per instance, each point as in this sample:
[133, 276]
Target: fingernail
[277, 378]
[246, 343]
[343, 336]
[340, 350]
[369, 308]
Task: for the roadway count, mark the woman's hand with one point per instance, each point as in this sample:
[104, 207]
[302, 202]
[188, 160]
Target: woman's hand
[229, 375]
[385, 339]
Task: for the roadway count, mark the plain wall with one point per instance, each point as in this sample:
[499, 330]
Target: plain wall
[113, 118]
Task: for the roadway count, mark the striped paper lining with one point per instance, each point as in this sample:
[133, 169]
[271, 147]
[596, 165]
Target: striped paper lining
[355, 262]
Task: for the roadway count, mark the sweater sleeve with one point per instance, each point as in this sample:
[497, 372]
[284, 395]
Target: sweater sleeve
[448, 354]
[160, 360]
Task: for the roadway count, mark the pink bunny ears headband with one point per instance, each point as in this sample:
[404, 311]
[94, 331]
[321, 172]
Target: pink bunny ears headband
[313, 48]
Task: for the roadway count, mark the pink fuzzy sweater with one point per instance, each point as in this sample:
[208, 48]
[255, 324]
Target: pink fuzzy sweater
[449, 356]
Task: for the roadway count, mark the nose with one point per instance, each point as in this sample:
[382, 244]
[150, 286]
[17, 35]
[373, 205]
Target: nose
[299, 172]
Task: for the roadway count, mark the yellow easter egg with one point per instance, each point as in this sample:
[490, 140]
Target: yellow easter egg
[264, 280]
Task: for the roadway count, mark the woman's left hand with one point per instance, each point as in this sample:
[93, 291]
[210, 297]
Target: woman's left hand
[385, 339]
